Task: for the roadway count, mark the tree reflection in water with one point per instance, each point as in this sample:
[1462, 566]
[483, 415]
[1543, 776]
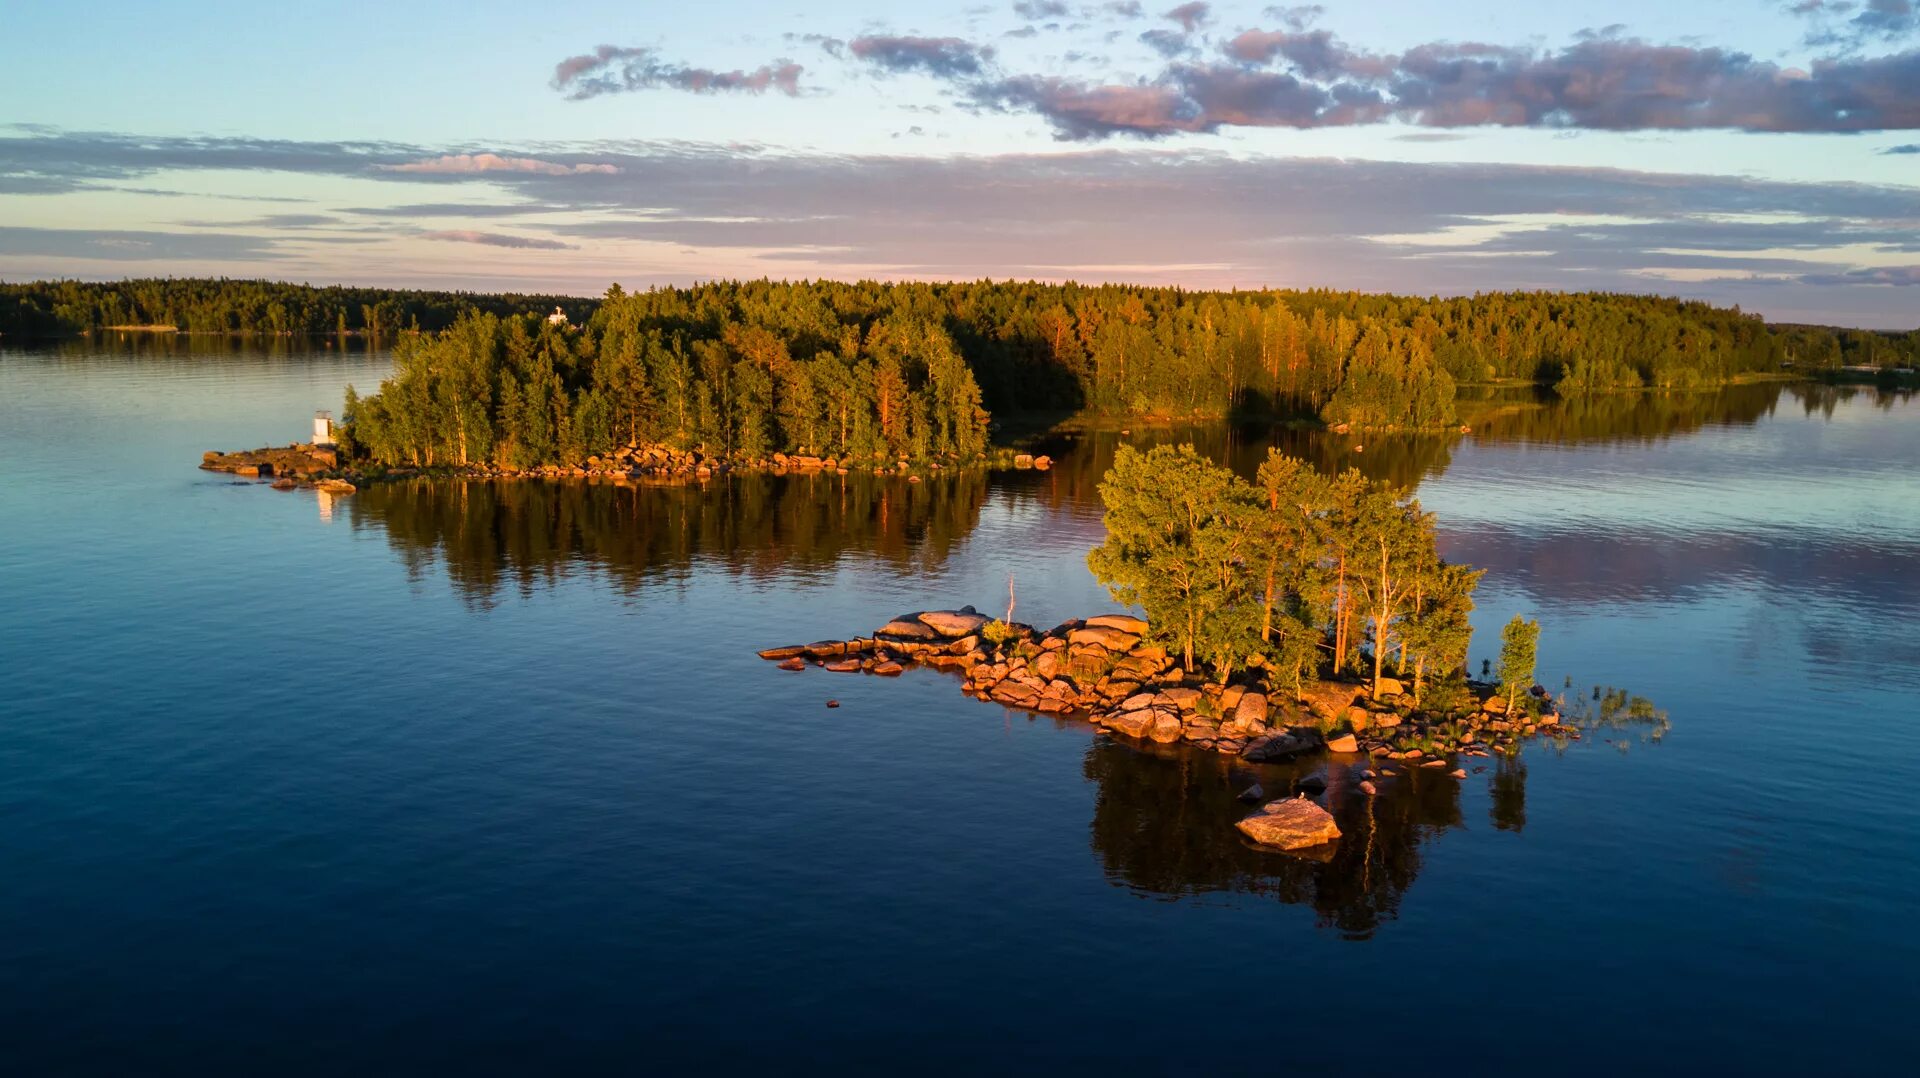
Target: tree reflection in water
[1163, 824]
[527, 533]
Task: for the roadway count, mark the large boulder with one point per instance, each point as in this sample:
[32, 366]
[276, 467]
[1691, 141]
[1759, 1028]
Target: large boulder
[1167, 727]
[1290, 825]
[907, 626]
[1388, 687]
[1125, 623]
[1344, 743]
[1135, 723]
[1279, 746]
[953, 624]
[1111, 639]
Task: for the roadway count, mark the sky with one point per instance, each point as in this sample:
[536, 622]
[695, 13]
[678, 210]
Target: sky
[1764, 153]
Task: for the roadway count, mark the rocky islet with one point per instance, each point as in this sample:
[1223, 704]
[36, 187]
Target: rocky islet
[1106, 670]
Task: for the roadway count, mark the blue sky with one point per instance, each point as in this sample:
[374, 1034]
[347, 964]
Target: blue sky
[1744, 151]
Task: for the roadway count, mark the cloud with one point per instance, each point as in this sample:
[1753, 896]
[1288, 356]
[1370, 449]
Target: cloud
[1802, 251]
[1898, 276]
[1598, 83]
[1911, 147]
[1040, 9]
[611, 69]
[1167, 43]
[1124, 9]
[497, 239]
[1874, 20]
[1190, 15]
[945, 57]
[468, 163]
[832, 46]
[113, 245]
[1296, 18]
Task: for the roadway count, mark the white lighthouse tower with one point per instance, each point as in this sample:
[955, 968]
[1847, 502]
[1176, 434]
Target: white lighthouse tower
[323, 430]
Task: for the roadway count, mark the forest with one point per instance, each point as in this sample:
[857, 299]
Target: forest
[205, 305]
[745, 368]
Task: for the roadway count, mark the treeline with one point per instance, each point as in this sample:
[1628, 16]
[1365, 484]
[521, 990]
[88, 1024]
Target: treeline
[1346, 357]
[1821, 348]
[522, 392]
[201, 305]
[1294, 573]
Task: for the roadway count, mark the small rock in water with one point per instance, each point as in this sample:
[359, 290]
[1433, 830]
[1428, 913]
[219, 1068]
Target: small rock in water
[1312, 784]
[1457, 773]
[1368, 788]
[888, 669]
[833, 703]
[1253, 793]
[795, 663]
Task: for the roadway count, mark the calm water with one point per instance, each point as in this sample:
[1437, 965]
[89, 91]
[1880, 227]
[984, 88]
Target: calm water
[487, 778]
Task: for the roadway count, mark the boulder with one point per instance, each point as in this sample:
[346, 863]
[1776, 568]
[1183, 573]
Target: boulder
[1137, 701]
[1343, 743]
[844, 666]
[335, 486]
[1134, 723]
[1388, 687]
[795, 663]
[888, 669]
[1124, 623]
[1111, 639]
[784, 653]
[1167, 727]
[1186, 699]
[908, 626]
[1250, 712]
[1279, 746]
[1290, 825]
[954, 624]
[827, 649]
[1253, 793]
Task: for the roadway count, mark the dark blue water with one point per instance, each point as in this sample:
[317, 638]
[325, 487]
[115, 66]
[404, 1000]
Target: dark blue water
[486, 778]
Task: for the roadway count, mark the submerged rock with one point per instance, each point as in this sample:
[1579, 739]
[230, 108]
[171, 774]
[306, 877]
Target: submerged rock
[1290, 825]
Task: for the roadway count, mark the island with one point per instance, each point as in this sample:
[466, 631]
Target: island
[1274, 611]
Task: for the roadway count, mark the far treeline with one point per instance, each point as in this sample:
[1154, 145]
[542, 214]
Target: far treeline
[1294, 575]
[207, 305]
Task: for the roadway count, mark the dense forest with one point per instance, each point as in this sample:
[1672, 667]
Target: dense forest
[200, 305]
[523, 392]
[745, 368]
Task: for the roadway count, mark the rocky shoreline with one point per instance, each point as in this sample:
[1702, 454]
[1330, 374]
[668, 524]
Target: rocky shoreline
[654, 464]
[1103, 669]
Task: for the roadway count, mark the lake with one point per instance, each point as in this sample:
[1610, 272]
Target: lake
[486, 777]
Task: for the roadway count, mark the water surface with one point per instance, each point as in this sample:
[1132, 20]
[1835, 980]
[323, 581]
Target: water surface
[486, 776]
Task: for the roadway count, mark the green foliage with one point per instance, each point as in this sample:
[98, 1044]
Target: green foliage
[202, 305]
[1233, 574]
[1366, 359]
[524, 393]
[997, 632]
[1519, 651]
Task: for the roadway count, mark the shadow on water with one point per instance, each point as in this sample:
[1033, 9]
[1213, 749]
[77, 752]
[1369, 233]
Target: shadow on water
[1163, 825]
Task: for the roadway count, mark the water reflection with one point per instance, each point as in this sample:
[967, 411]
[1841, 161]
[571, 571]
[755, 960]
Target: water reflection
[529, 533]
[1163, 824]
[492, 534]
